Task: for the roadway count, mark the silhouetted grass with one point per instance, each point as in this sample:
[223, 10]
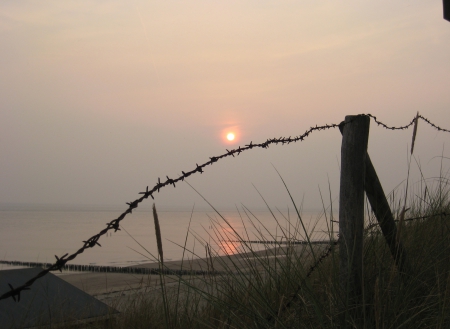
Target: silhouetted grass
[297, 286]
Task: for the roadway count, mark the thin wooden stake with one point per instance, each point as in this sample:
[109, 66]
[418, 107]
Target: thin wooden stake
[382, 211]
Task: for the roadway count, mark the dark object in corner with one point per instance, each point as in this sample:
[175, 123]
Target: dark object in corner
[446, 5]
[51, 301]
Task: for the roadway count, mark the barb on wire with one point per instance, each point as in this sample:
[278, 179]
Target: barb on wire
[115, 223]
[16, 293]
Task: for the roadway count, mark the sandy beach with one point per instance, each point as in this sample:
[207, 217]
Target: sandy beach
[113, 287]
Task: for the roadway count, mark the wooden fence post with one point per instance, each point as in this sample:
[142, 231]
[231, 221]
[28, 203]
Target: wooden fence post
[382, 211]
[351, 208]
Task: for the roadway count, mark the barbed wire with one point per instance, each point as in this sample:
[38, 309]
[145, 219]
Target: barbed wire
[440, 215]
[115, 223]
[408, 125]
[388, 127]
[433, 125]
[295, 295]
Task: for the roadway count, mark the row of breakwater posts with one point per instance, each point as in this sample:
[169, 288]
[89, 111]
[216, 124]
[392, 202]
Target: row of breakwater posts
[147, 270]
[114, 269]
[288, 242]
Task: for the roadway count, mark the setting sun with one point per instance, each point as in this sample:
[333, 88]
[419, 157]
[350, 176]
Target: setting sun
[230, 136]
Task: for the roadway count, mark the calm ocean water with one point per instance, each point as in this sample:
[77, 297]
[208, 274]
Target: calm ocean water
[37, 234]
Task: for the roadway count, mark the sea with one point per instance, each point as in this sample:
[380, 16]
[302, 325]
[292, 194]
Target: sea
[38, 233]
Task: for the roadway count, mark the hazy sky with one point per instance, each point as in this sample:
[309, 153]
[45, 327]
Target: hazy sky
[100, 98]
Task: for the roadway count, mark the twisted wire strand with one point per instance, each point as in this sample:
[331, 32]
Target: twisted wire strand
[433, 125]
[390, 127]
[115, 223]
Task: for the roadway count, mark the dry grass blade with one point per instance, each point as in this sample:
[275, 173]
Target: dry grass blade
[416, 122]
[400, 223]
[161, 265]
[158, 234]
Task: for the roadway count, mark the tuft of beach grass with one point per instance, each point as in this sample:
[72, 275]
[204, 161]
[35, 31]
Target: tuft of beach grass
[291, 286]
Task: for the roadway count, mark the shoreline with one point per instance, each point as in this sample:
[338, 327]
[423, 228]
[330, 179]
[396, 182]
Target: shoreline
[117, 288]
[148, 268]
[112, 288]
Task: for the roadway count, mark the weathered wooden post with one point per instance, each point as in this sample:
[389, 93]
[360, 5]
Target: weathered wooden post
[382, 211]
[351, 208]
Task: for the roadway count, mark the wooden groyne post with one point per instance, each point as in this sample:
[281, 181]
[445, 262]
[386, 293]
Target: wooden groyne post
[351, 207]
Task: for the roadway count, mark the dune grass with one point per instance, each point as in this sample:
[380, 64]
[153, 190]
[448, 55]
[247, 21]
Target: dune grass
[297, 286]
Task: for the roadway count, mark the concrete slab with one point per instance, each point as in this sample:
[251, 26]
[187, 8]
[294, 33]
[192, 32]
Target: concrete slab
[50, 300]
